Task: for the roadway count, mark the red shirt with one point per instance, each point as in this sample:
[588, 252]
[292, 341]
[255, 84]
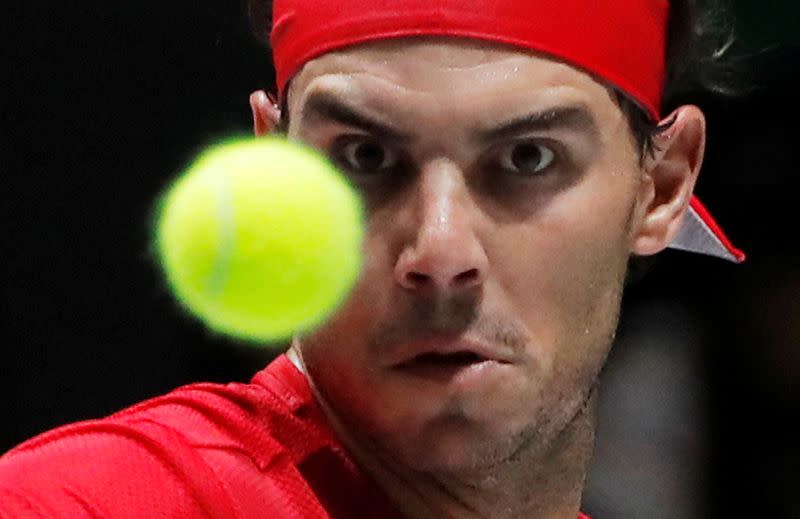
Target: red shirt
[235, 451]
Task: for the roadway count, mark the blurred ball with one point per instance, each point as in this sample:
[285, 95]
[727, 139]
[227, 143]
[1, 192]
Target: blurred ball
[260, 238]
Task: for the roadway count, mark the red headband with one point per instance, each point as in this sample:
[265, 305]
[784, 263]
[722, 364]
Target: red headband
[619, 41]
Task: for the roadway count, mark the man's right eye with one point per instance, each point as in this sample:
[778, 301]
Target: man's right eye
[363, 155]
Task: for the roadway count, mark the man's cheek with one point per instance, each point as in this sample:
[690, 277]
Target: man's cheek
[572, 308]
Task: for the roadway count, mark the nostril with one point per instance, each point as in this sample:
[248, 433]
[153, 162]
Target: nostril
[466, 277]
[417, 278]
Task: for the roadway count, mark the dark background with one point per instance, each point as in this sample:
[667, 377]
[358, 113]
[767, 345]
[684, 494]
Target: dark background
[109, 100]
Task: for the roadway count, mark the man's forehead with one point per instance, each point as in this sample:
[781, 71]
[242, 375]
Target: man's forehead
[432, 67]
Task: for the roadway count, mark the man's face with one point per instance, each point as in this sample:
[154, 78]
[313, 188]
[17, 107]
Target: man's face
[501, 191]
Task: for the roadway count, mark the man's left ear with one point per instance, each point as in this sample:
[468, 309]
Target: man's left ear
[668, 180]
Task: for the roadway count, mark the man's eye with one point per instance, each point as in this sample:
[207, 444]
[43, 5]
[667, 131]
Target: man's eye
[526, 158]
[363, 155]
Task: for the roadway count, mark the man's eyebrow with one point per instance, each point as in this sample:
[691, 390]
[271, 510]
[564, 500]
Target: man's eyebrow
[322, 105]
[570, 117]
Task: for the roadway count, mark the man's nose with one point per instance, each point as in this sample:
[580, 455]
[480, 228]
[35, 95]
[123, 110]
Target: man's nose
[443, 250]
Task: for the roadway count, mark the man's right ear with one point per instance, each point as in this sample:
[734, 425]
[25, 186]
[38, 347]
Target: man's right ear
[266, 114]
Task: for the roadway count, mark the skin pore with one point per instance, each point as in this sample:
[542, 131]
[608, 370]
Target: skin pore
[504, 195]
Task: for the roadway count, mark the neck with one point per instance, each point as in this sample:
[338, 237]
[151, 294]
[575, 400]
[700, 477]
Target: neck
[544, 484]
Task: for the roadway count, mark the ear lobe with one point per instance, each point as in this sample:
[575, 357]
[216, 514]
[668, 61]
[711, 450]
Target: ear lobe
[266, 115]
[670, 177]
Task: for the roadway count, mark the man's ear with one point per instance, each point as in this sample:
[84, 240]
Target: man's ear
[669, 179]
[266, 115]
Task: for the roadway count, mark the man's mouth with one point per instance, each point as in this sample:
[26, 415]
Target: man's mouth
[444, 360]
[445, 364]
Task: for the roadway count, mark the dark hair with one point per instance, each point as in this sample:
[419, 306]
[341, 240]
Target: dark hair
[697, 44]
[697, 60]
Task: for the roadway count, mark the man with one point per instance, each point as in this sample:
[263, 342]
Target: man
[512, 157]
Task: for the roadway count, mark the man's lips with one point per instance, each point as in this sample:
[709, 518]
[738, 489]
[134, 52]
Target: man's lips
[447, 353]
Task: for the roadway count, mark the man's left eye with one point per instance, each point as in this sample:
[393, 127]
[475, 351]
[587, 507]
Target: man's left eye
[526, 158]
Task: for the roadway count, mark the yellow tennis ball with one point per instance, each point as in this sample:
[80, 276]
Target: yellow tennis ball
[260, 238]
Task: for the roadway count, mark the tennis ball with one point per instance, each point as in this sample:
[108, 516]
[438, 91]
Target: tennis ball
[260, 238]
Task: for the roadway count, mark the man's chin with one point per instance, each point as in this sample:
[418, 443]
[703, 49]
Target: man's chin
[454, 446]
